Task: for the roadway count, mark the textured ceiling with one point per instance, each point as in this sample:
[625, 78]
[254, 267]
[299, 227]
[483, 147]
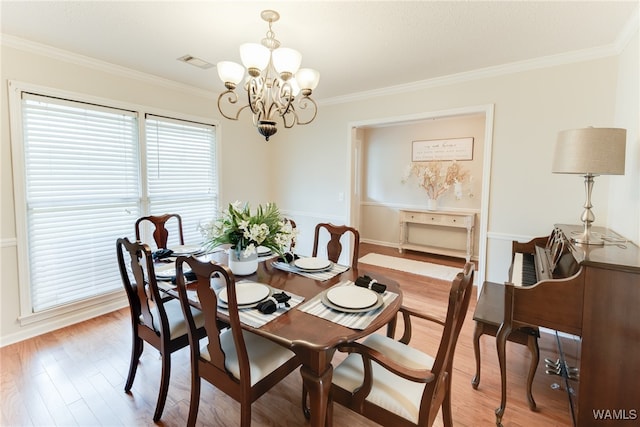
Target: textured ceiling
[356, 45]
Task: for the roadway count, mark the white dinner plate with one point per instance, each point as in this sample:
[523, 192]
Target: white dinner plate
[327, 303]
[263, 250]
[186, 250]
[247, 293]
[353, 297]
[312, 263]
[168, 270]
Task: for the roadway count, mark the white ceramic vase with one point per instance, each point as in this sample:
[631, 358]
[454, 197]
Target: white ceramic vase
[242, 266]
[432, 204]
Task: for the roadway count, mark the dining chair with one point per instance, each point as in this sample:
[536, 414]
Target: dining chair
[160, 232]
[395, 384]
[240, 363]
[334, 246]
[158, 321]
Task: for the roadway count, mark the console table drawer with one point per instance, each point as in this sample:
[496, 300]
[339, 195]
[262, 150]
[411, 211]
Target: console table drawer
[433, 218]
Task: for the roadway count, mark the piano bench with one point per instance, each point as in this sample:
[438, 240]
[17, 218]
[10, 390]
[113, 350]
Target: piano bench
[488, 315]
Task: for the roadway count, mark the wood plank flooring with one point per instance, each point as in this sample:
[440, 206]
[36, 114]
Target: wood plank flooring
[75, 376]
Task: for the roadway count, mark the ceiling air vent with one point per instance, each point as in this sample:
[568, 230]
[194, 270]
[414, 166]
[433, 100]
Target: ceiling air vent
[196, 62]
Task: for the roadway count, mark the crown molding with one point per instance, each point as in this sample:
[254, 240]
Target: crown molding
[96, 64]
[621, 42]
[482, 73]
[628, 30]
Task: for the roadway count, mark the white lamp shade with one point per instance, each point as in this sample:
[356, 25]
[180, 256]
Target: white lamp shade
[307, 78]
[295, 87]
[230, 72]
[254, 55]
[597, 151]
[286, 60]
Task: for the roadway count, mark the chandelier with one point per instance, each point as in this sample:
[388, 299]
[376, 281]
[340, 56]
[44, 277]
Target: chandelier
[275, 84]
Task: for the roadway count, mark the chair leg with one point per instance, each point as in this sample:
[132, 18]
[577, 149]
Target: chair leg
[164, 385]
[447, 419]
[195, 400]
[305, 408]
[136, 351]
[245, 414]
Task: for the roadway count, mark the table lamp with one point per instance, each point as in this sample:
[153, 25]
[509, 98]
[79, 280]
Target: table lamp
[590, 152]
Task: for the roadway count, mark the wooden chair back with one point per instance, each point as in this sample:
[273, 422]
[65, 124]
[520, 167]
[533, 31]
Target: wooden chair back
[160, 232]
[334, 245]
[437, 379]
[214, 368]
[151, 314]
[438, 390]
[136, 269]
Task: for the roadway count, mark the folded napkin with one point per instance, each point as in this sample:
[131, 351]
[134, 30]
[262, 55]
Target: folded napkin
[288, 258]
[189, 276]
[162, 253]
[369, 283]
[274, 302]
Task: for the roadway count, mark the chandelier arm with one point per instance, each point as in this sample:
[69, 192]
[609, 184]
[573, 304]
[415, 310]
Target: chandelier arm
[304, 103]
[231, 98]
[292, 114]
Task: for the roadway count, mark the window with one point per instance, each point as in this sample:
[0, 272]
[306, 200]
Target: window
[180, 174]
[84, 184]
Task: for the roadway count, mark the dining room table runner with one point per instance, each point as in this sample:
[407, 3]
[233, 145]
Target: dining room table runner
[319, 275]
[359, 321]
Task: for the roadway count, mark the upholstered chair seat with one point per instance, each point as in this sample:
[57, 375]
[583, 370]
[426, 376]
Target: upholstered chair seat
[264, 356]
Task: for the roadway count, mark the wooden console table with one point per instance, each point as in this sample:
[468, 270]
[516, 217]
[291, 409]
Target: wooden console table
[464, 220]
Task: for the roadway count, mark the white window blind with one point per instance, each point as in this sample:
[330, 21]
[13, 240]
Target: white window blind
[82, 192]
[181, 172]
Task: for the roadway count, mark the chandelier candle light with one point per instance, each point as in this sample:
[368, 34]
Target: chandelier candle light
[275, 84]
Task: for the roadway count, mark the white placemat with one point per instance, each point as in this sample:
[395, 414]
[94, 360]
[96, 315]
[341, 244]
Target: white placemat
[350, 320]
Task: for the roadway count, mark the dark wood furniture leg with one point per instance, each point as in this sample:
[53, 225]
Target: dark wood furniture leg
[488, 316]
[317, 373]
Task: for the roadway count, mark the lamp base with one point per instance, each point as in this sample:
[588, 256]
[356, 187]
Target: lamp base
[588, 238]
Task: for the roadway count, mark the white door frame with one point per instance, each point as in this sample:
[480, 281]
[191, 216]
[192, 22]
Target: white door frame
[354, 166]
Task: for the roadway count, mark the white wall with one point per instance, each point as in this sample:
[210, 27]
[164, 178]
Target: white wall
[624, 201]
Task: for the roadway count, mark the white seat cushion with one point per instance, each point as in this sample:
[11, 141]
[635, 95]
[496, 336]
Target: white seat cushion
[264, 356]
[175, 316]
[389, 391]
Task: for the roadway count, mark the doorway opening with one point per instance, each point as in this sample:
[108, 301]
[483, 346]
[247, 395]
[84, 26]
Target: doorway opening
[388, 170]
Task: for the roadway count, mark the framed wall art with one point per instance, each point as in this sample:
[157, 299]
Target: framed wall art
[442, 149]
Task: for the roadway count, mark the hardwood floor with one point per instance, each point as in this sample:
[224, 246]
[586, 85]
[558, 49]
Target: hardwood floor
[75, 376]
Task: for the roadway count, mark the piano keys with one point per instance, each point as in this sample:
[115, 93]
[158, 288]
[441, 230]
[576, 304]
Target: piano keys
[592, 292]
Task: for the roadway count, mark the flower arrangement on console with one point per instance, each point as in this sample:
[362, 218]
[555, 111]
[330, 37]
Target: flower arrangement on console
[437, 177]
[245, 231]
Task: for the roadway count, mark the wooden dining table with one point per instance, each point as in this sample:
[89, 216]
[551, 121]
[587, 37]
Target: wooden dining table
[312, 338]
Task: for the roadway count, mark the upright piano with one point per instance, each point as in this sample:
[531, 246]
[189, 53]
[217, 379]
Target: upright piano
[592, 292]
